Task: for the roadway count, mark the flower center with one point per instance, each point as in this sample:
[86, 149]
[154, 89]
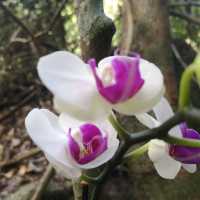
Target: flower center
[118, 79]
[86, 143]
[107, 75]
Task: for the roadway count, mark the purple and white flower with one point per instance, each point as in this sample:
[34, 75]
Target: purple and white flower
[130, 85]
[168, 158]
[71, 145]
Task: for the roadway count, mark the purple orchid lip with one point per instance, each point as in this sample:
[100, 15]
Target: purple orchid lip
[187, 155]
[93, 144]
[128, 80]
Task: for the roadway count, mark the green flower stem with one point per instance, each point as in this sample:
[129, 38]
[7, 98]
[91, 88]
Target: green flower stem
[120, 130]
[182, 141]
[137, 153]
[77, 190]
[185, 84]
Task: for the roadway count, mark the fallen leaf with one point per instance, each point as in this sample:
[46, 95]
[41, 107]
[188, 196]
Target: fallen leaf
[23, 170]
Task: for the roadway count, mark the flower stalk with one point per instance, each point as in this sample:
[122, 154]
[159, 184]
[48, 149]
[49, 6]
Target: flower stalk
[185, 84]
[77, 190]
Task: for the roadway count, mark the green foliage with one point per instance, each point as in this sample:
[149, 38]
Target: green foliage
[183, 29]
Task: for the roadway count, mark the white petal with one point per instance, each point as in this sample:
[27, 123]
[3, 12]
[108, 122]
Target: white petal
[72, 83]
[176, 132]
[66, 121]
[150, 93]
[97, 109]
[65, 170]
[165, 165]
[191, 168]
[147, 120]
[163, 110]
[43, 128]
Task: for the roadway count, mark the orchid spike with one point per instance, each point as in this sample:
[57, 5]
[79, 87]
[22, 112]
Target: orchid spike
[168, 158]
[130, 85]
[71, 145]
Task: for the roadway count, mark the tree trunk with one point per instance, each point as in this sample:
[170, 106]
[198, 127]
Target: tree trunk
[96, 29]
[146, 30]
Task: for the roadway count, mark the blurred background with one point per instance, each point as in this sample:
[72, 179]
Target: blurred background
[165, 32]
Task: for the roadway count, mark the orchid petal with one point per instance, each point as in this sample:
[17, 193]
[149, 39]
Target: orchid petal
[42, 128]
[66, 121]
[191, 168]
[165, 165]
[147, 120]
[67, 171]
[163, 112]
[71, 82]
[150, 93]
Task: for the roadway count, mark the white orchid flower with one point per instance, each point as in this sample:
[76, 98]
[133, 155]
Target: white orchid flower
[130, 85]
[71, 145]
[166, 158]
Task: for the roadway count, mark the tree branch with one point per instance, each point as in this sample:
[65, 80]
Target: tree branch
[96, 29]
[178, 4]
[23, 26]
[22, 103]
[20, 157]
[178, 56]
[54, 19]
[186, 17]
[17, 20]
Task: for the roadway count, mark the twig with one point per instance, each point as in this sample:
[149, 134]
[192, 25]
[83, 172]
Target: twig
[16, 19]
[53, 21]
[55, 17]
[43, 183]
[22, 25]
[186, 17]
[20, 96]
[26, 100]
[173, 5]
[178, 56]
[19, 158]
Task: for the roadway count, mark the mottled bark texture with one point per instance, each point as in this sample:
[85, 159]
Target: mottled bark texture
[96, 29]
[146, 30]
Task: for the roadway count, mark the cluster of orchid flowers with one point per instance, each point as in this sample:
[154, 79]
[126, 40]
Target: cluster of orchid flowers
[85, 94]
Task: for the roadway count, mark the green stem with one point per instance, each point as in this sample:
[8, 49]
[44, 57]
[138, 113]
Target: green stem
[137, 153]
[182, 141]
[120, 130]
[77, 190]
[185, 84]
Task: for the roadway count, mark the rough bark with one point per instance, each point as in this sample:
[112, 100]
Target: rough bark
[146, 30]
[96, 29]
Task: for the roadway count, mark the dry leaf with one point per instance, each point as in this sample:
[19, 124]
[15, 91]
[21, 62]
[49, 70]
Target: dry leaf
[22, 170]
[10, 174]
